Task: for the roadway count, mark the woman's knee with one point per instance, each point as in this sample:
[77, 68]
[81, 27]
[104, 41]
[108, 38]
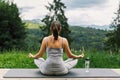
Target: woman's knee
[71, 60]
[39, 61]
[75, 60]
[70, 63]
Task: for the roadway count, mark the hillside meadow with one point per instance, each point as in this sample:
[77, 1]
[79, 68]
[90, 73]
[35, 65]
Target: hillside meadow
[98, 59]
[91, 39]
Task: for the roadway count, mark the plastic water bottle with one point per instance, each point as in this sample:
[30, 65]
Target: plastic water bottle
[87, 64]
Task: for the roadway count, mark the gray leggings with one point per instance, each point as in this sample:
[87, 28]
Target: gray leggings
[69, 63]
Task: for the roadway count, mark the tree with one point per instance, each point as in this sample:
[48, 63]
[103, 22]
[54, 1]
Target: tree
[56, 12]
[113, 41]
[12, 30]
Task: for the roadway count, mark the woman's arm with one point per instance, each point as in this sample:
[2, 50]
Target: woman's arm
[41, 51]
[68, 51]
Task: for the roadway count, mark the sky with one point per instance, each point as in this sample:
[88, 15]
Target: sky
[78, 12]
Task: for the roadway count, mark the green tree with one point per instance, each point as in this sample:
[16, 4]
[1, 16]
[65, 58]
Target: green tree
[56, 12]
[113, 37]
[12, 30]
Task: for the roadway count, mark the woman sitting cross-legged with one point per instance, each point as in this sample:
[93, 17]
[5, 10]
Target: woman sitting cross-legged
[54, 45]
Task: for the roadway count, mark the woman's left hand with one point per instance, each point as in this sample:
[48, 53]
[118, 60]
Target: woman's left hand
[31, 55]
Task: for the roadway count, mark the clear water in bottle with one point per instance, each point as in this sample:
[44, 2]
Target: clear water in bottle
[87, 64]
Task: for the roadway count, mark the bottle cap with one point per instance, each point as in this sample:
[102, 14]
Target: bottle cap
[87, 58]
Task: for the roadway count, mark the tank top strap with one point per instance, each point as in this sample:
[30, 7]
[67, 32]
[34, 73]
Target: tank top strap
[46, 41]
[62, 43]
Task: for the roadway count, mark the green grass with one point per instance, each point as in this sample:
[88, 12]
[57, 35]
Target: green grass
[32, 25]
[20, 59]
[104, 60]
[15, 59]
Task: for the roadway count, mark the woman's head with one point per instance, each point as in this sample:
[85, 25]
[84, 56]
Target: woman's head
[55, 28]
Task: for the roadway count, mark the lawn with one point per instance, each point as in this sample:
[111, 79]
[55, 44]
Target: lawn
[20, 59]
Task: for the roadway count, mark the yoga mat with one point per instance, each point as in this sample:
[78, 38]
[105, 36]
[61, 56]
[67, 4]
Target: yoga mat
[74, 73]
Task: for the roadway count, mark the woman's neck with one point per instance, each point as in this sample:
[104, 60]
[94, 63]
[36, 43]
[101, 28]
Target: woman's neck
[51, 37]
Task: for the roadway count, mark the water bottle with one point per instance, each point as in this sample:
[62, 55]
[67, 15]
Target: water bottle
[87, 64]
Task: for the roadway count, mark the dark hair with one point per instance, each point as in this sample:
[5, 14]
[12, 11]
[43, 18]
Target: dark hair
[55, 28]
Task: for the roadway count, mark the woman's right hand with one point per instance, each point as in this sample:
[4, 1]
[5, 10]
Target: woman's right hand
[81, 55]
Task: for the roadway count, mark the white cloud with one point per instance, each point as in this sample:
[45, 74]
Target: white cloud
[99, 14]
[84, 3]
[37, 9]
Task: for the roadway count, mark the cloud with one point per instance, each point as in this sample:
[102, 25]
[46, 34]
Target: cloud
[25, 9]
[34, 9]
[84, 3]
[98, 14]
[78, 12]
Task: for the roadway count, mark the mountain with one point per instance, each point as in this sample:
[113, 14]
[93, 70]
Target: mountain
[102, 27]
[36, 21]
[87, 37]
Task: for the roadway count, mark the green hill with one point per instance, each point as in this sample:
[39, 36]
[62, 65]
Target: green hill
[89, 38]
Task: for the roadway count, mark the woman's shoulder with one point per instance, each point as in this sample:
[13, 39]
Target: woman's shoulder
[64, 39]
[45, 39]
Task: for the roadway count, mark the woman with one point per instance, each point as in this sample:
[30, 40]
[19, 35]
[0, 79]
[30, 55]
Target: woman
[54, 45]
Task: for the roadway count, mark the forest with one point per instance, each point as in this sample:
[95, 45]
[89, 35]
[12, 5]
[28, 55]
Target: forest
[89, 38]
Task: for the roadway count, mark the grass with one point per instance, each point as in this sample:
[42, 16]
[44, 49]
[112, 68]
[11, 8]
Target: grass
[102, 59]
[15, 59]
[20, 59]
[32, 25]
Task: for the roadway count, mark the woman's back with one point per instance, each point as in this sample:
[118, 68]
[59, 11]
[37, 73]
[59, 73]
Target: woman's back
[54, 49]
[54, 61]
[51, 43]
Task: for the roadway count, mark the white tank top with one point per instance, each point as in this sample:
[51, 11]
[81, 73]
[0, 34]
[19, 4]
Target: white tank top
[54, 61]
